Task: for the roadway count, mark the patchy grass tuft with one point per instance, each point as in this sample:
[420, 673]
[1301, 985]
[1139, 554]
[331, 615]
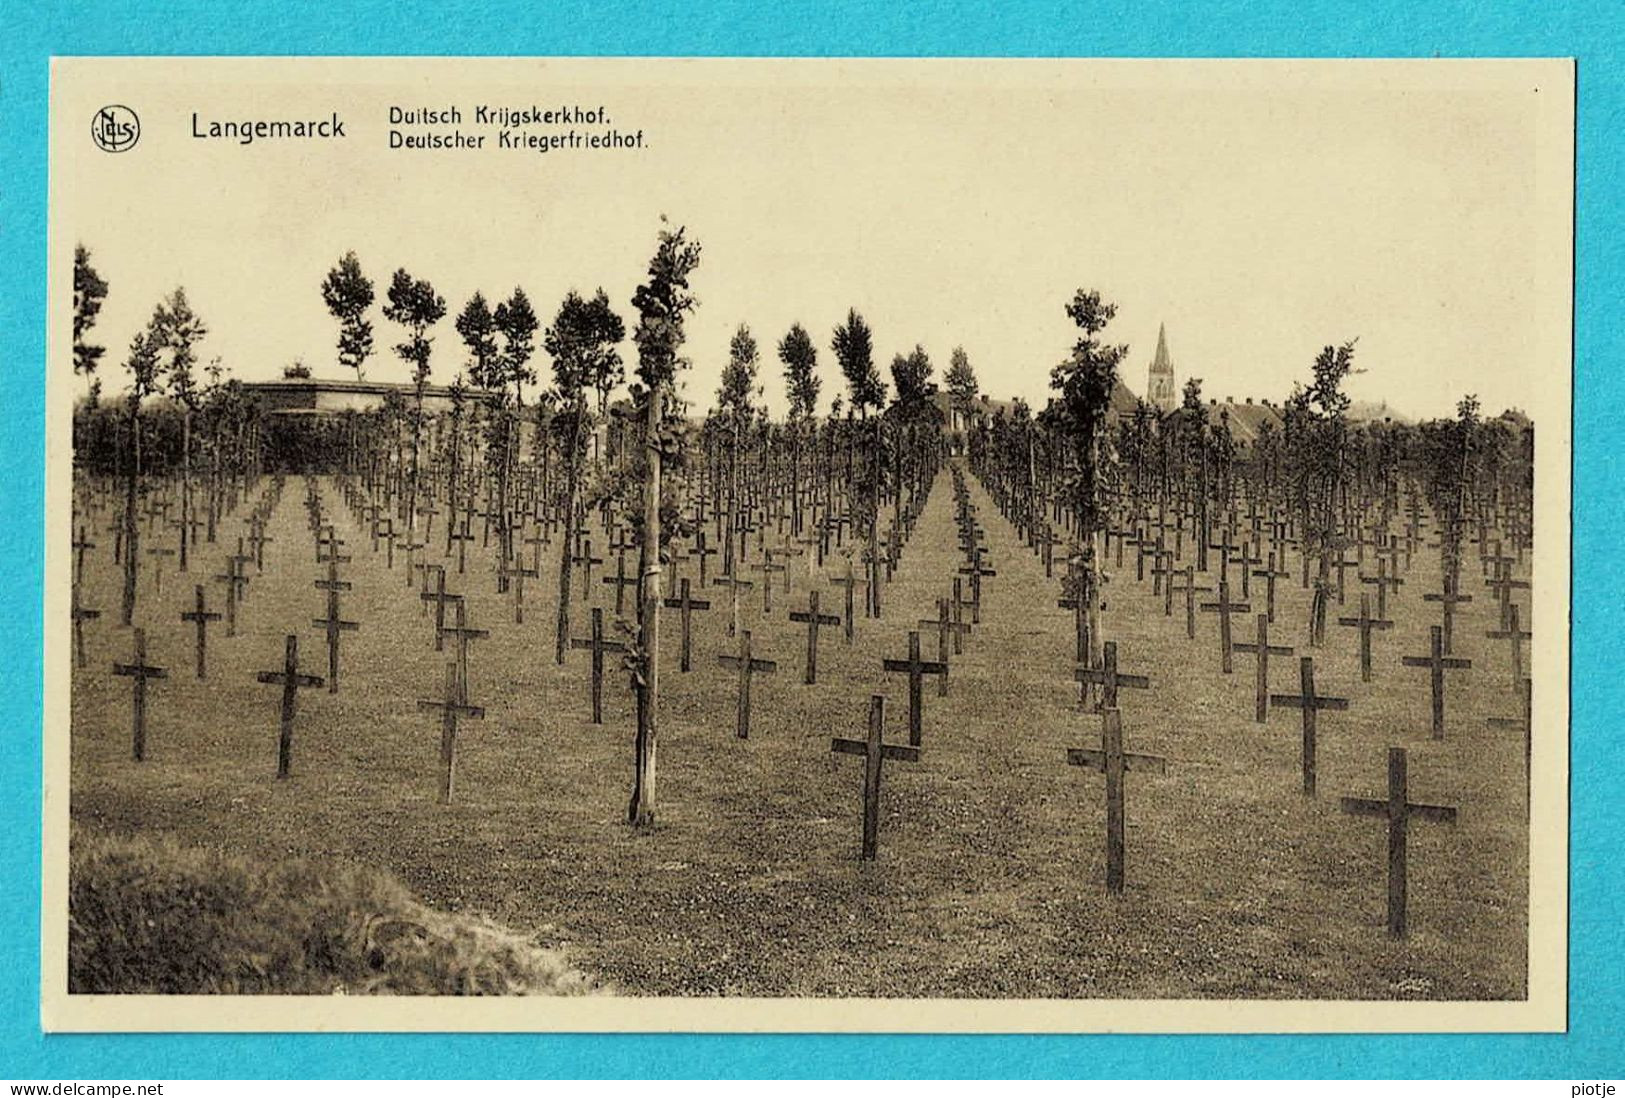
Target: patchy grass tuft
[152, 916]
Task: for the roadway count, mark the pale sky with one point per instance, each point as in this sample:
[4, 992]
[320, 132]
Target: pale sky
[1260, 213]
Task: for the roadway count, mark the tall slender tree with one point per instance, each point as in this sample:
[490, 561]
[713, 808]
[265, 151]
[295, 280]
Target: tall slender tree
[348, 295]
[1084, 385]
[415, 306]
[736, 403]
[146, 365]
[663, 302]
[801, 385]
[582, 342]
[181, 330]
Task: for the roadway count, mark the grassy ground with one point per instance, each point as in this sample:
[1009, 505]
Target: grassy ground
[990, 880]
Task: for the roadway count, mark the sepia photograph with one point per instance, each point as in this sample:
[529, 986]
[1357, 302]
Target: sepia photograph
[807, 545]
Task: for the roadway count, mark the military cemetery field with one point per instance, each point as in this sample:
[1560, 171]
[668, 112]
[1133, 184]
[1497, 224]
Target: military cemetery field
[990, 874]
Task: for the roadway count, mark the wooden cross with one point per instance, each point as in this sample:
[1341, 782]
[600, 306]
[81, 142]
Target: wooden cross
[202, 616]
[440, 598]
[1262, 649]
[1516, 635]
[702, 552]
[976, 571]
[1269, 575]
[1449, 597]
[1114, 762]
[1398, 810]
[767, 568]
[329, 540]
[1310, 703]
[916, 669]
[139, 671]
[518, 573]
[1107, 678]
[451, 707]
[620, 581]
[464, 633]
[258, 538]
[1383, 581]
[1437, 665]
[290, 680]
[686, 605]
[80, 616]
[598, 645]
[848, 581]
[235, 581]
[1224, 607]
[1366, 623]
[586, 560]
[1525, 724]
[948, 633]
[158, 553]
[747, 665]
[1190, 589]
[813, 620]
[462, 537]
[81, 545]
[334, 624]
[875, 751]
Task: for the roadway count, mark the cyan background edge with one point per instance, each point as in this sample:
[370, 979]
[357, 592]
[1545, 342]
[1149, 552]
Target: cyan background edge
[1591, 31]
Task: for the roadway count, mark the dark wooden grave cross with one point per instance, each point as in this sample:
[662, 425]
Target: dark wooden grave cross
[848, 581]
[290, 680]
[462, 537]
[1262, 650]
[1398, 810]
[916, 669]
[139, 672]
[1310, 703]
[328, 544]
[334, 623]
[1448, 598]
[875, 751]
[1383, 581]
[586, 560]
[702, 552]
[1513, 632]
[1437, 664]
[517, 573]
[1112, 761]
[1190, 590]
[1366, 623]
[620, 581]
[976, 570]
[767, 568]
[202, 616]
[1107, 677]
[686, 605]
[80, 616]
[423, 569]
[158, 553]
[81, 545]
[747, 666]
[1269, 575]
[451, 706]
[464, 633]
[598, 646]
[1224, 608]
[1503, 585]
[948, 633]
[1525, 724]
[813, 620]
[235, 581]
[440, 597]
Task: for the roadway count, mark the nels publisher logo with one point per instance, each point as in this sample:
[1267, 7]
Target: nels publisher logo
[115, 129]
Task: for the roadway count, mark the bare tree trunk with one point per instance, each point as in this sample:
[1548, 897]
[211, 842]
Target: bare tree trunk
[641, 811]
[572, 475]
[132, 528]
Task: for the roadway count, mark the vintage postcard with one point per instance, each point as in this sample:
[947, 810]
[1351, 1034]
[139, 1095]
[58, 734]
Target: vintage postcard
[870, 545]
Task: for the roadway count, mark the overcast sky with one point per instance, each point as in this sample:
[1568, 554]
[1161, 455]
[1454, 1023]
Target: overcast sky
[1259, 218]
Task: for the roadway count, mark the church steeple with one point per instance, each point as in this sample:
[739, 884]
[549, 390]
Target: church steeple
[1160, 389]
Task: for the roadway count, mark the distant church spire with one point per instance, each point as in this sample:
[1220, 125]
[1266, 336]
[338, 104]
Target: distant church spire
[1160, 390]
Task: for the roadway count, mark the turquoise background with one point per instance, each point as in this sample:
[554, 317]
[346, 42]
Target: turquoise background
[1591, 31]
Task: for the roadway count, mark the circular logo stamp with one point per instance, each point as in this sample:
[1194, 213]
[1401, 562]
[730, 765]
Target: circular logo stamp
[115, 129]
